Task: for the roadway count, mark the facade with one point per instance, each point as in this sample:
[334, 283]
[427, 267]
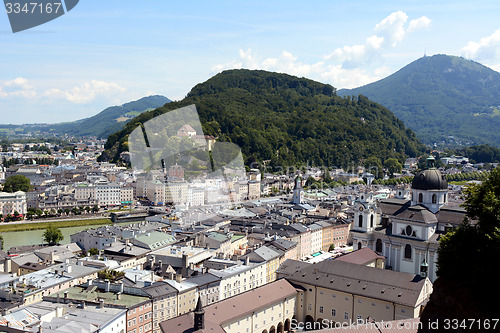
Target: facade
[269, 308]
[342, 292]
[316, 237]
[164, 302]
[108, 194]
[126, 195]
[208, 288]
[84, 191]
[12, 202]
[240, 278]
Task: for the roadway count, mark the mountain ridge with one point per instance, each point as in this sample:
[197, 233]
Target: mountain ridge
[102, 124]
[286, 120]
[442, 96]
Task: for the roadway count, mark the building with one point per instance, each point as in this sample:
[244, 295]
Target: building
[176, 172]
[164, 301]
[343, 292]
[407, 232]
[126, 195]
[269, 308]
[207, 286]
[34, 286]
[240, 278]
[108, 194]
[298, 192]
[12, 202]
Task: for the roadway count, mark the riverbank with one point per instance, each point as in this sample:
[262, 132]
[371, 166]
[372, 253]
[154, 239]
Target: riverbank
[7, 227]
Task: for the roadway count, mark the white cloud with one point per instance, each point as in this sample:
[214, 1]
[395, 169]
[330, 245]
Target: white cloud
[18, 87]
[421, 22]
[392, 27]
[487, 49]
[343, 67]
[86, 92]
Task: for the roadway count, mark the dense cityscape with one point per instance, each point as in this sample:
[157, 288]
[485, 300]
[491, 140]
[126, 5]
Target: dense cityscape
[249, 167]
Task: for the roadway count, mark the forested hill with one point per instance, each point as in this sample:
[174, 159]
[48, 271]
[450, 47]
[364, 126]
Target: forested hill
[101, 125]
[111, 119]
[442, 98]
[288, 121]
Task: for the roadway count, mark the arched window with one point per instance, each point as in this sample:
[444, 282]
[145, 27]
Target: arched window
[434, 198]
[420, 197]
[359, 245]
[378, 245]
[407, 251]
[360, 223]
[371, 221]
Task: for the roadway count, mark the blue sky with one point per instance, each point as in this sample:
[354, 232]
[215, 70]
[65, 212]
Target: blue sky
[105, 53]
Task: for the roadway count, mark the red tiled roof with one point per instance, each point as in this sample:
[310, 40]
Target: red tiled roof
[360, 257]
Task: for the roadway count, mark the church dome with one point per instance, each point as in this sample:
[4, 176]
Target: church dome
[430, 178]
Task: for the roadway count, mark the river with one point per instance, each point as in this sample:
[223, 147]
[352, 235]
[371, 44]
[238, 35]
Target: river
[33, 237]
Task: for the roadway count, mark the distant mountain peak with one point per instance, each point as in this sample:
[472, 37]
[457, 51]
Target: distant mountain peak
[442, 98]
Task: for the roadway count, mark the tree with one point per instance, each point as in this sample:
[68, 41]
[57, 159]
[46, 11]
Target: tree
[393, 166]
[52, 235]
[1, 242]
[17, 183]
[93, 251]
[465, 271]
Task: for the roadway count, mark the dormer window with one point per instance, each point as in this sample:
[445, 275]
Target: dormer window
[409, 230]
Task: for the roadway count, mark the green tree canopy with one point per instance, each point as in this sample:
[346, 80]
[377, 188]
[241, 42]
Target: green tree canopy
[52, 235]
[466, 259]
[16, 183]
[393, 165]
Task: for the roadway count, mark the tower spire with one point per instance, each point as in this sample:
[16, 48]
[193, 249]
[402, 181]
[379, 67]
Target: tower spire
[199, 316]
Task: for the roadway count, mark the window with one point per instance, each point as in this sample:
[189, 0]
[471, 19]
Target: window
[409, 230]
[359, 245]
[378, 245]
[320, 309]
[346, 315]
[420, 197]
[434, 198]
[309, 306]
[407, 251]
[360, 223]
[334, 312]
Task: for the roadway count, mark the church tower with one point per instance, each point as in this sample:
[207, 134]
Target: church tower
[298, 191]
[429, 187]
[199, 316]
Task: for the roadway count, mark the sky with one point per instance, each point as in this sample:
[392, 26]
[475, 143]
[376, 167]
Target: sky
[105, 53]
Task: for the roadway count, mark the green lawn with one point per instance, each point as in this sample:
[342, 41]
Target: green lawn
[6, 227]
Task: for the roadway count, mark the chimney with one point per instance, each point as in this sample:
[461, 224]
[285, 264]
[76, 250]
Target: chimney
[118, 296]
[247, 261]
[108, 284]
[101, 303]
[65, 297]
[199, 316]
[178, 278]
[121, 287]
[184, 269]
